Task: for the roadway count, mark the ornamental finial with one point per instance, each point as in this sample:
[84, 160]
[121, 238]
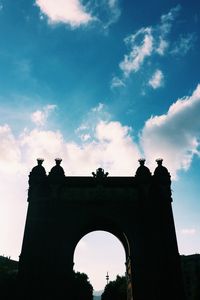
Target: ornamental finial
[100, 174]
[107, 278]
[142, 161]
[159, 161]
[40, 161]
[58, 160]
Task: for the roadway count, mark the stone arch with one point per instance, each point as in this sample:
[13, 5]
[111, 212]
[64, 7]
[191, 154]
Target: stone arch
[137, 210]
[110, 228]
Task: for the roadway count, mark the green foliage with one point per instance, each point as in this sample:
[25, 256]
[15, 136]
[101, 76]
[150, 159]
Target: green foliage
[82, 287]
[116, 290]
[8, 282]
[8, 278]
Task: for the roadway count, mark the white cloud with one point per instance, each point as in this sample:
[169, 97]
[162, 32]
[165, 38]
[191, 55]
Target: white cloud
[97, 129]
[144, 43]
[184, 44]
[174, 135]
[113, 6]
[111, 141]
[167, 20]
[139, 51]
[156, 80]
[85, 137]
[111, 146]
[71, 12]
[10, 154]
[188, 231]
[93, 117]
[185, 41]
[162, 46]
[41, 143]
[39, 117]
[112, 3]
[75, 13]
[106, 12]
[162, 30]
[98, 108]
[117, 82]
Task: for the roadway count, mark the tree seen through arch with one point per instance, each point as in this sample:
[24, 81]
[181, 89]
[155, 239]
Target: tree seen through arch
[97, 253]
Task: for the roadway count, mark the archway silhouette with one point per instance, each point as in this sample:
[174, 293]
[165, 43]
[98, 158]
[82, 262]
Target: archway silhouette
[137, 210]
[97, 253]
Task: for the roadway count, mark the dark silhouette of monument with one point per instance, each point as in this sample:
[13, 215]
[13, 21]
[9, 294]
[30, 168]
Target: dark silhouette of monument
[137, 210]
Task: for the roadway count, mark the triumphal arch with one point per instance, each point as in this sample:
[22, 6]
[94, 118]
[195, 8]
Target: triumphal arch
[137, 210]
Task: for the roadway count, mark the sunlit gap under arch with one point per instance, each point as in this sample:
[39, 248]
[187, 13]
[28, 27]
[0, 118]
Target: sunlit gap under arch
[97, 253]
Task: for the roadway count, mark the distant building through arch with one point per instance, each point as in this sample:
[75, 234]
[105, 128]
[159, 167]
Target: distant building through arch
[137, 210]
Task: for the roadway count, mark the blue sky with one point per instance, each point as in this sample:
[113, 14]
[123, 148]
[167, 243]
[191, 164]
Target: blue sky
[99, 83]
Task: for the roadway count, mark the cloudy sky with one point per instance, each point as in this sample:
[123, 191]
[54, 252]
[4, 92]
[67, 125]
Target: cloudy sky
[99, 83]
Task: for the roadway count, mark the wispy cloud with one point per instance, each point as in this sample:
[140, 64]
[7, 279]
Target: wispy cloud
[183, 44]
[115, 12]
[86, 130]
[99, 108]
[39, 117]
[188, 231]
[146, 43]
[162, 46]
[157, 79]
[85, 137]
[163, 29]
[166, 20]
[141, 45]
[106, 12]
[117, 82]
[90, 121]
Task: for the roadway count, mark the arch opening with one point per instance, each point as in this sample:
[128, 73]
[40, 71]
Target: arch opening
[97, 253]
